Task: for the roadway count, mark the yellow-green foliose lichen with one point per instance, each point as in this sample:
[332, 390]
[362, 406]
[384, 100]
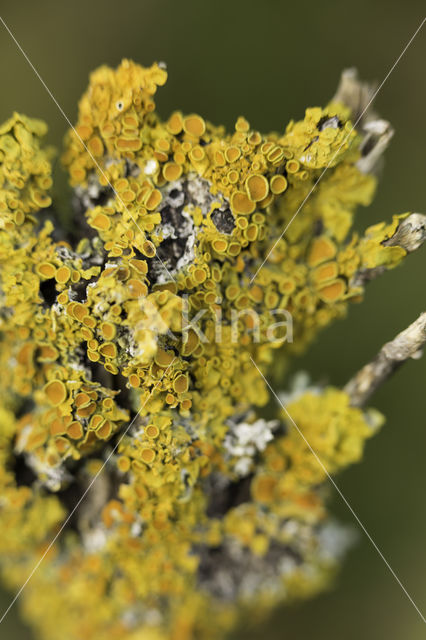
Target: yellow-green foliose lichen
[204, 508]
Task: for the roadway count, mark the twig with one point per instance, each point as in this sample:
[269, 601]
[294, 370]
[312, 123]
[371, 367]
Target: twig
[407, 344]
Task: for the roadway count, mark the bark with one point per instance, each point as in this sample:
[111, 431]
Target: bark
[407, 344]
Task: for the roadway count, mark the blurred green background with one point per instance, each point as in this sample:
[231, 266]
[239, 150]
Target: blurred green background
[268, 61]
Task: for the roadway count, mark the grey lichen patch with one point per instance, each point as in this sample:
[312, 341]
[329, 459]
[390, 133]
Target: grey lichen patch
[180, 200]
[234, 572]
[92, 194]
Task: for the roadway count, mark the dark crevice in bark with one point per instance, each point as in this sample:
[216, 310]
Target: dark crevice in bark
[224, 498]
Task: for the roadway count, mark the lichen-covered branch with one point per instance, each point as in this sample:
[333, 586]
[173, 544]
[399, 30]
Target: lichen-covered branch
[408, 236]
[407, 344]
[376, 132]
[126, 350]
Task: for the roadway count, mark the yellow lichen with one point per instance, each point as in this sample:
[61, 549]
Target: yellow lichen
[100, 359]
